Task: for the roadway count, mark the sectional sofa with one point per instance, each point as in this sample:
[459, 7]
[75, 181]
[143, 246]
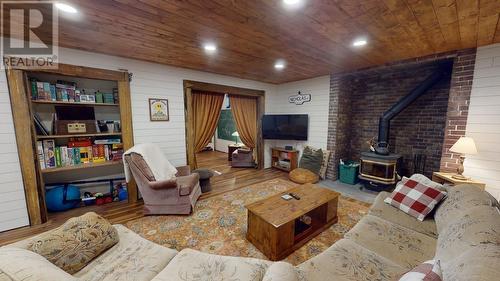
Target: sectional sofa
[464, 235]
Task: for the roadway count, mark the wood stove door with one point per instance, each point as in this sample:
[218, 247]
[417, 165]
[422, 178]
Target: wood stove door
[378, 171]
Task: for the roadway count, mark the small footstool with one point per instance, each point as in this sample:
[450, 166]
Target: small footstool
[205, 175]
[300, 175]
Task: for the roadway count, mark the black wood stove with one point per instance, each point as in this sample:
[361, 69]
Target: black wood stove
[380, 169]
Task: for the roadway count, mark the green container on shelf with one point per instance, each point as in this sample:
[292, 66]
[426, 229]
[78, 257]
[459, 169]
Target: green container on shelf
[348, 172]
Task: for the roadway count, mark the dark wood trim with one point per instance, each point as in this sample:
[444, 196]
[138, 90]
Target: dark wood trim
[125, 102]
[189, 86]
[82, 71]
[209, 87]
[21, 114]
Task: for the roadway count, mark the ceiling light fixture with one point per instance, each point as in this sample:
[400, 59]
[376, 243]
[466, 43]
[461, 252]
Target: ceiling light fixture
[210, 48]
[291, 2]
[279, 65]
[66, 8]
[359, 42]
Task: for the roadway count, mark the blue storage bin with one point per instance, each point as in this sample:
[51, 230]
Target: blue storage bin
[62, 198]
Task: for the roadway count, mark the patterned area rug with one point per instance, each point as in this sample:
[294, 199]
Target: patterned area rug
[218, 224]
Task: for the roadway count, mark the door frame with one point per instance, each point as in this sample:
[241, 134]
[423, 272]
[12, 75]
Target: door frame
[189, 86]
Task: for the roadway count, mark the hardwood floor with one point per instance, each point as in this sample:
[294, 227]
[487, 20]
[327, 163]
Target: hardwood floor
[120, 212]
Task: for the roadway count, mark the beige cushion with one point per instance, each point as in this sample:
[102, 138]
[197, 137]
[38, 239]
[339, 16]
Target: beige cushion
[348, 261]
[394, 215]
[428, 182]
[75, 243]
[191, 265]
[300, 175]
[281, 271]
[471, 228]
[18, 264]
[324, 164]
[460, 197]
[132, 258]
[399, 244]
[480, 263]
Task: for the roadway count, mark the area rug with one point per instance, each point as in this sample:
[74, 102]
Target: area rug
[218, 224]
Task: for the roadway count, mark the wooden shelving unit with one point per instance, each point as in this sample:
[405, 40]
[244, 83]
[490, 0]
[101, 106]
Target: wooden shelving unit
[73, 103]
[81, 166]
[38, 137]
[24, 109]
[289, 156]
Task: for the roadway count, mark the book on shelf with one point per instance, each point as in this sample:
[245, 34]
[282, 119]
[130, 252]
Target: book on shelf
[78, 151]
[41, 154]
[49, 153]
[40, 128]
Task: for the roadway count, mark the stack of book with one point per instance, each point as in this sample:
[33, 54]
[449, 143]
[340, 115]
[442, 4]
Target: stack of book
[67, 92]
[78, 151]
[61, 91]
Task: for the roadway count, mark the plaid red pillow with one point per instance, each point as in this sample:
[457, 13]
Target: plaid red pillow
[414, 198]
[427, 271]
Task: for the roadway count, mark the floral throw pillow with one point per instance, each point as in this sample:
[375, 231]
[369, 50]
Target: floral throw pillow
[414, 198]
[77, 242]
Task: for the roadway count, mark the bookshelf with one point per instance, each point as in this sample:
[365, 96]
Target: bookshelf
[77, 135]
[81, 166]
[73, 103]
[52, 115]
[285, 160]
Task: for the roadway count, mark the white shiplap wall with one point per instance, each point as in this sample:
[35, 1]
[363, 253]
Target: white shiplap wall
[12, 200]
[317, 109]
[483, 122]
[150, 80]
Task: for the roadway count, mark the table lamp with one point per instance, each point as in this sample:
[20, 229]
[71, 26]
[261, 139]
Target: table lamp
[464, 145]
[236, 135]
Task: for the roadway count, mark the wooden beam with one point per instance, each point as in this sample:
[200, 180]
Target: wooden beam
[26, 149]
[126, 126]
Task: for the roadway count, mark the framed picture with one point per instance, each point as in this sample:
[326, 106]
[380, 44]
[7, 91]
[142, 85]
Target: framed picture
[158, 110]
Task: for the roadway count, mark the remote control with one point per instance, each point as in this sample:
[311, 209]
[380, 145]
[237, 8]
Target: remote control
[294, 196]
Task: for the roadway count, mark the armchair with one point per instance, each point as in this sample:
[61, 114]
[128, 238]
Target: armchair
[242, 157]
[177, 195]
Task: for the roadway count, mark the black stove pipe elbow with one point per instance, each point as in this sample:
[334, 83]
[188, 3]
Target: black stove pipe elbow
[384, 121]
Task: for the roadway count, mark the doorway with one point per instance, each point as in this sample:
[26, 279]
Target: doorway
[211, 158]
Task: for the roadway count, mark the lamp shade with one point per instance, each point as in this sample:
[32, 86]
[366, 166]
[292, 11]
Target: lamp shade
[235, 134]
[464, 145]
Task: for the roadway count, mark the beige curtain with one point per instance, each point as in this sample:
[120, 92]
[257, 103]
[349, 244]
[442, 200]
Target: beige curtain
[206, 113]
[245, 116]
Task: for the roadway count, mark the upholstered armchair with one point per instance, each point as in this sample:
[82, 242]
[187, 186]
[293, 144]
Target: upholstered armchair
[242, 157]
[177, 195]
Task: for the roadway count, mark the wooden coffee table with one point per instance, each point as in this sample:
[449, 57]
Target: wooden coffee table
[275, 226]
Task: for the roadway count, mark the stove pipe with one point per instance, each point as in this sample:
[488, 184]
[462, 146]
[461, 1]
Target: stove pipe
[384, 122]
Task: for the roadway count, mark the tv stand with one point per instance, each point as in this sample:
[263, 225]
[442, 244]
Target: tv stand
[285, 160]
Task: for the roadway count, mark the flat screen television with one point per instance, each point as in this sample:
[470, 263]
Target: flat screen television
[285, 127]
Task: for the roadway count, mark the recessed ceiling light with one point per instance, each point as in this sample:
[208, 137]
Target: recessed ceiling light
[359, 42]
[210, 48]
[66, 8]
[291, 2]
[279, 65]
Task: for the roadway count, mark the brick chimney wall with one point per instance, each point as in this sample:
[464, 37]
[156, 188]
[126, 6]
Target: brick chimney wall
[430, 125]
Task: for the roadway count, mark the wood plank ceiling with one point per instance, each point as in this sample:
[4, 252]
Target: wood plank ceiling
[315, 39]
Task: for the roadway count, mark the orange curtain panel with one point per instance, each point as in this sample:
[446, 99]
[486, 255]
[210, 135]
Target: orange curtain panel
[206, 113]
[245, 116]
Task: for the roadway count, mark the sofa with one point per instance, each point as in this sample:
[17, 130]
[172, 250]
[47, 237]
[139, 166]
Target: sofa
[464, 234]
